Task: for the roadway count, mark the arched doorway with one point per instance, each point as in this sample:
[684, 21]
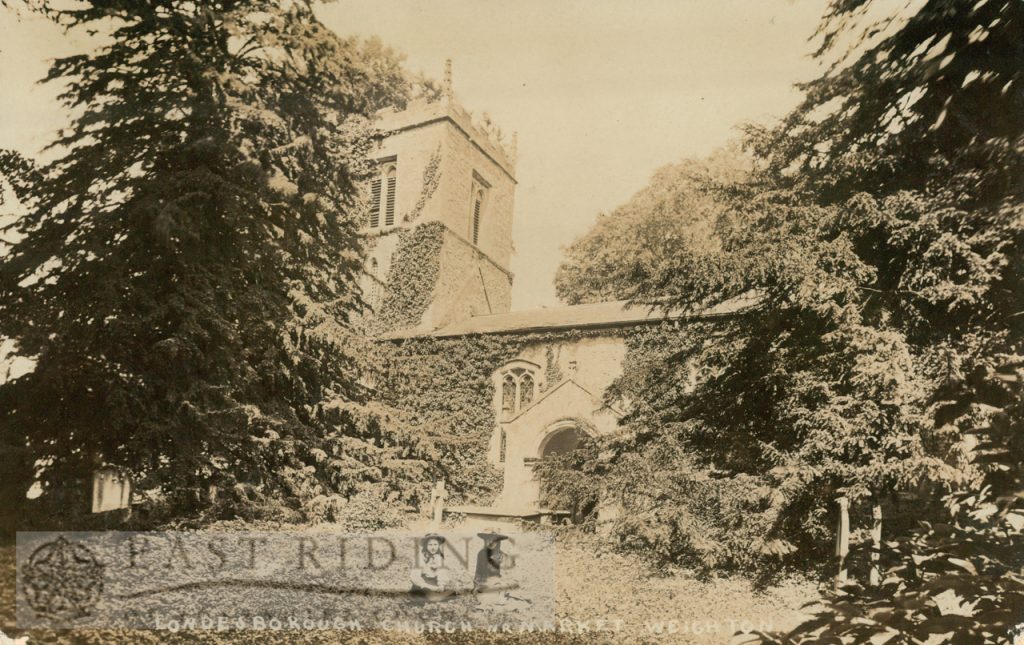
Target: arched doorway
[562, 440]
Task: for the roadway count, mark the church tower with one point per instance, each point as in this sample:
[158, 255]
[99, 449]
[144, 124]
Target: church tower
[439, 227]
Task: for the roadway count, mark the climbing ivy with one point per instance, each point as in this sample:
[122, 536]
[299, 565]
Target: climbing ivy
[552, 372]
[411, 279]
[444, 387]
[431, 180]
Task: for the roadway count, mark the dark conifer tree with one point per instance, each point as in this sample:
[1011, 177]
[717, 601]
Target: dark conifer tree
[184, 273]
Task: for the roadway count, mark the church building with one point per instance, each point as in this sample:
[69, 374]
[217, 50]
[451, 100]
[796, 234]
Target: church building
[439, 171]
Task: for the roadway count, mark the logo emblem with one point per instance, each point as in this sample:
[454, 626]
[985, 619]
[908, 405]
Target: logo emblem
[63, 580]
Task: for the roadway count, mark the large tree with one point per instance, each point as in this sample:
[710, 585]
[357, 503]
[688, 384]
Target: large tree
[883, 235]
[183, 273]
[675, 213]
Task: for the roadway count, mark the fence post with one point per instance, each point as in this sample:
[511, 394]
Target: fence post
[842, 540]
[876, 544]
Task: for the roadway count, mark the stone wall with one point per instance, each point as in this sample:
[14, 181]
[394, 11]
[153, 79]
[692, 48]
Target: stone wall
[460, 160]
[469, 284]
[592, 362]
[439, 155]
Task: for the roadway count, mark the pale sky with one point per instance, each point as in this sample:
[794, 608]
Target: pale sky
[601, 92]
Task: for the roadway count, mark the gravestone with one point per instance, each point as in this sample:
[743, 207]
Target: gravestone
[111, 490]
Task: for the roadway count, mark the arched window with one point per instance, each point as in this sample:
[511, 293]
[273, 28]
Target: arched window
[503, 447]
[518, 387]
[478, 204]
[383, 187]
[526, 388]
[508, 394]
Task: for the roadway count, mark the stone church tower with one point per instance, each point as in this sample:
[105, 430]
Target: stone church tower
[439, 233]
[439, 228]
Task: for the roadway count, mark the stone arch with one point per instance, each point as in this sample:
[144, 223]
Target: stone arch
[561, 437]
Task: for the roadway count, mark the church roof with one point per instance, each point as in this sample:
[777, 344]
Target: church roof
[616, 313]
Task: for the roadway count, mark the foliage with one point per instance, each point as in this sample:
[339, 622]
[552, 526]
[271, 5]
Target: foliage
[183, 275]
[552, 372]
[925, 97]
[675, 212]
[363, 512]
[885, 257]
[956, 580]
[925, 113]
[445, 390]
[430, 181]
[412, 277]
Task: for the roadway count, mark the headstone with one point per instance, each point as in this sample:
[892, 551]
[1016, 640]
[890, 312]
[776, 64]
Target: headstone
[111, 490]
[437, 499]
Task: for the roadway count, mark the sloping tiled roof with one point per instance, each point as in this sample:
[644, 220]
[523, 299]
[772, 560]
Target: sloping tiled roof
[599, 314]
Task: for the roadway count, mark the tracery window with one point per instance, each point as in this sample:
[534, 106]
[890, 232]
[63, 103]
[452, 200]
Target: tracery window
[518, 388]
[526, 387]
[508, 394]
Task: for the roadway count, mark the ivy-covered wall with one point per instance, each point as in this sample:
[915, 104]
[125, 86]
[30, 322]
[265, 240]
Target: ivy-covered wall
[415, 266]
[444, 385]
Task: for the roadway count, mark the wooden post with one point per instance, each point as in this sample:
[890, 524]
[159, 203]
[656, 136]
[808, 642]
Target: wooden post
[876, 544]
[842, 540]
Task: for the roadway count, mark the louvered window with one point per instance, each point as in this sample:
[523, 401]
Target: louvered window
[375, 205]
[477, 205]
[382, 196]
[389, 204]
[503, 448]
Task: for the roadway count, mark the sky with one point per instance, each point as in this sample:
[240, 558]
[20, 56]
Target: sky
[601, 92]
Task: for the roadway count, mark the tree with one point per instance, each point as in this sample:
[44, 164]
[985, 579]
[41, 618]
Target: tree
[926, 98]
[184, 272]
[882, 235]
[674, 213]
[928, 114]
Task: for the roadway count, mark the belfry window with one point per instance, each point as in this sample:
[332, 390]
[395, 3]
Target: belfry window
[477, 208]
[478, 204]
[383, 187]
[389, 203]
[518, 388]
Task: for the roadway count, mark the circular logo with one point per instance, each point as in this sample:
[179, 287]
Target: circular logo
[62, 580]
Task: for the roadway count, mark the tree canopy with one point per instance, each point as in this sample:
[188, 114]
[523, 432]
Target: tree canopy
[184, 273]
[882, 234]
[675, 213]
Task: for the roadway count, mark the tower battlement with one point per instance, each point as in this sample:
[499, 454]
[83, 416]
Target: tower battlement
[435, 164]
